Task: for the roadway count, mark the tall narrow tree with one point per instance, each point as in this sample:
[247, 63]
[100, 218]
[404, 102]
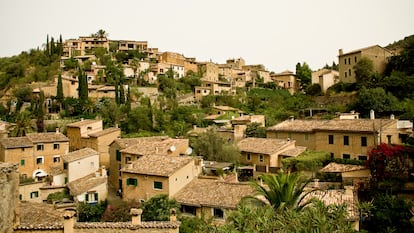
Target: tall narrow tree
[59, 91]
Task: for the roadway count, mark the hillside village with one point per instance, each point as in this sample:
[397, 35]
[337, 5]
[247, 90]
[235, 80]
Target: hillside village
[103, 135]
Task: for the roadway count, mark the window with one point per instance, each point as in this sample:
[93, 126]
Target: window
[389, 139]
[345, 61]
[91, 197]
[132, 182]
[362, 157]
[127, 160]
[248, 157]
[261, 158]
[346, 74]
[356, 60]
[22, 162]
[363, 141]
[34, 194]
[332, 155]
[56, 146]
[157, 185]
[349, 61]
[39, 160]
[350, 72]
[65, 166]
[331, 139]
[186, 209]
[346, 156]
[56, 159]
[118, 155]
[218, 213]
[346, 140]
[20, 197]
[40, 147]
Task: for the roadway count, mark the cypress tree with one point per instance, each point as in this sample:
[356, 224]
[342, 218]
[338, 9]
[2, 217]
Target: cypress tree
[82, 87]
[59, 91]
[121, 94]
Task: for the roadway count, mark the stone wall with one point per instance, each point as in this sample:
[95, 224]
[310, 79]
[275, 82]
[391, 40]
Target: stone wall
[9, 187]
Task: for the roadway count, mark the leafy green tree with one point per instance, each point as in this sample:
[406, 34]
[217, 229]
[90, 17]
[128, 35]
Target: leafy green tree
[255, 130]
[284, 190]
[119, 211]
[364, 73]
[376, 99]
[389, 214]
[91, 213]
[304, 74]
[158, 208]
[211, 146]
[314, 90]
[22, 94]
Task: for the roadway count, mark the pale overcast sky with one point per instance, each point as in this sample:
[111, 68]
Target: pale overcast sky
[277, 34]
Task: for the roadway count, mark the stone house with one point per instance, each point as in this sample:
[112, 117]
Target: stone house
[151, 175]
[348, 139]
[352, 175]
[325, 78]
[208, 198]
[124, 151]
[265, 154]
[286, 80]
[346, 61]
[90, 133]
[35, 153]
[84, 45]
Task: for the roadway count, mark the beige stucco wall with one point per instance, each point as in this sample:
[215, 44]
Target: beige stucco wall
[101, 189]
[183, 176]
[83, 167]
[9, 202]
[26, 189]
[306, 139]
[114, 165]
[145, 188]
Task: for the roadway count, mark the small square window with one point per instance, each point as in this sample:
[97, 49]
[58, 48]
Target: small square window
[56, 146]
[157, 185]
[40, 147]
[346, 156]
[22, 162]
[362, 157]
[248, 157]
[34, 194]
[261, 158]
[218, 213]
[56, 159]
[132, 182]
[39, 160]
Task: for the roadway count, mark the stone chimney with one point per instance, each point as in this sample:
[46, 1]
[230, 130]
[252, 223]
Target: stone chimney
[341, 52]
[136, 216]
[372, 114]
[57, 130]
[392, 117]
[69, 218]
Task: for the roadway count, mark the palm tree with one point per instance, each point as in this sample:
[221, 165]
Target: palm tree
[23, 125]
[281, 191]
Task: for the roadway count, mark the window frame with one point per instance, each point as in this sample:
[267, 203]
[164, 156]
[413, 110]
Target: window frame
[331, 139]
[346, 140]
[364, 141]
[42, 158]
[40, 147]
[132, 182]
[157, 185]
[56, 146]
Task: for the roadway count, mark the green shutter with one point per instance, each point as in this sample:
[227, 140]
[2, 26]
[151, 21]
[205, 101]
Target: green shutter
[96, 196]
[118, 155]
[22, 162]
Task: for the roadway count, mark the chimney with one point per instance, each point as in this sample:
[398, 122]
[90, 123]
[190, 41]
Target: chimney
[103, 171]
[82, 119]
[372, 114]
[341, 52]
[349, 191]
[392, 117]
[173, 215]
[136, 216]
[69, 221]
[57, 130]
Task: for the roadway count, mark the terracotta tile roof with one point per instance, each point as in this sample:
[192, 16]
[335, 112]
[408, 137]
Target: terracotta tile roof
[263, 145]
[56, 170]
[127, 142]
[17, 142]
[336, 197]
[127, 225]
[335, 167]
[213, 193]
[104, 132]
[82, 123]
[85, 184]
[47, 137]
[155, 147]
[294, 152]
[40, 216]
[79, 154]
[158, 165]
[356, 125]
